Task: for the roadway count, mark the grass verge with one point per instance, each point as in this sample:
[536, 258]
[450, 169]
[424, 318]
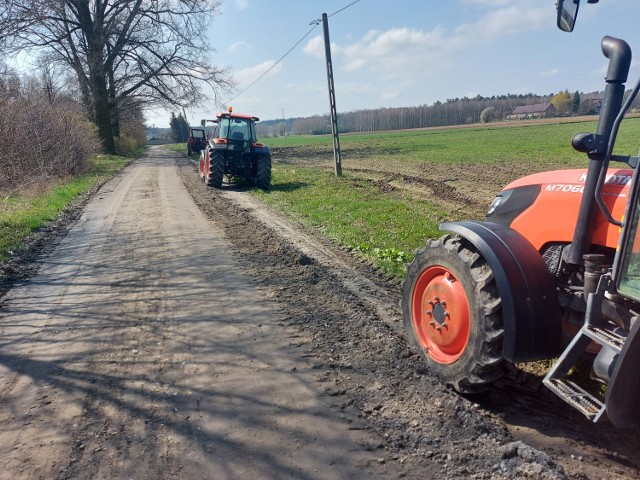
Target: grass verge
[353, 212]
[177, 147]
[23, 214]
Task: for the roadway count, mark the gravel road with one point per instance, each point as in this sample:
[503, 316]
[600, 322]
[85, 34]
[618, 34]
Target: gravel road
[176, 331]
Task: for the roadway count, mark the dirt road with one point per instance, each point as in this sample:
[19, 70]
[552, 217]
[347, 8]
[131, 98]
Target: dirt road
[141, 351]
[171, 334]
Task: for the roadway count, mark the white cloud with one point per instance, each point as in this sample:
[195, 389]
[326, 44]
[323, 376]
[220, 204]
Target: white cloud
[486, 3]
[315, 47]
[394, 49]
[242, 4]
[238, 46]
[505, 21]
[400, 51]
[245, 76]
[550, 73]
[389, 95]
[355, 88]
[387, 52]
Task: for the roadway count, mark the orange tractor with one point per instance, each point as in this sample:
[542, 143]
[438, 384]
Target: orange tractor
[234, 152]
[552, 273]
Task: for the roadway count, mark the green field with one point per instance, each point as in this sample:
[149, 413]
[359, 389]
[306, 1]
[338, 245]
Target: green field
[545, 143]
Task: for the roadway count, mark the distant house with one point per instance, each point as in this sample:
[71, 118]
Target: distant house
[538, 110]
[590, 103]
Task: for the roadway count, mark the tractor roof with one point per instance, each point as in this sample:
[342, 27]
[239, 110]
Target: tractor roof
[236, 115]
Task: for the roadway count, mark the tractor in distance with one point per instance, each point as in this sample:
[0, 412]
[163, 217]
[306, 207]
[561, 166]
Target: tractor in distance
[552, 273]
[196, 141]
[234, 152]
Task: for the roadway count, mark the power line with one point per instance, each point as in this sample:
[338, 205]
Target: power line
[343, 8]
[314, 24]
[273, 66]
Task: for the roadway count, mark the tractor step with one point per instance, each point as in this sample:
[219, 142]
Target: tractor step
[577, 397]
[557, 381]
[605, 337]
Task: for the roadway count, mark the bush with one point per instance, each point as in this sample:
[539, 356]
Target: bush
[126, 145]
[40, 140]
[487, 115]
[133, 133]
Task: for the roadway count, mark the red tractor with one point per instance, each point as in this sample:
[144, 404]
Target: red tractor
[233, 151]
[196, 141]
[552, 273]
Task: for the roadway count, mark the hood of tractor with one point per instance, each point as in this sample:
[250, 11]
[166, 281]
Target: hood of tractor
[544, 206]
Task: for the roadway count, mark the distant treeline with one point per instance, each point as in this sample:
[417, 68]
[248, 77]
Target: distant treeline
[455, 111]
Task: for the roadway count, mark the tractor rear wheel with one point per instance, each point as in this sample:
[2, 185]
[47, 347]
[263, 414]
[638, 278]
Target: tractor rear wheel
[216, 169]
[453, 313]
[263, 169]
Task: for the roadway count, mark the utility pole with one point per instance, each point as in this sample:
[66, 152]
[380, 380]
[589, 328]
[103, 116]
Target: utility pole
[332, 97]
[285, 124]
[184, 115]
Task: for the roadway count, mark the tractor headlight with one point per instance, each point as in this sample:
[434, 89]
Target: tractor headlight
[500, 199]
[509, 204]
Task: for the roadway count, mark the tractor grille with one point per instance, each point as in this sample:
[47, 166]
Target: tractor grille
[552, 255]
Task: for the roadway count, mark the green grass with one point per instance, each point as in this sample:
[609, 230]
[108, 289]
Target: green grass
[354, 213]
[178, 147]
[543, 143]
[22, 215]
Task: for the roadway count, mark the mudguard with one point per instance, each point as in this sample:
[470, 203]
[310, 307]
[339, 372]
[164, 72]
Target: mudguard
[260, 149]
[623, 390]
[531, 312]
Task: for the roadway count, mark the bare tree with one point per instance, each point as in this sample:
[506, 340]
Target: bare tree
[125, 53]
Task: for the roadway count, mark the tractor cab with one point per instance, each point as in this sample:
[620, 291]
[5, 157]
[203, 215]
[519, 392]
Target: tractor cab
[239, 130]
[236, 128]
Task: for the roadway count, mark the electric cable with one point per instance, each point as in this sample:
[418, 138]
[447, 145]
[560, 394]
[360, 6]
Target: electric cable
[343, 8]
[314, 24]
[273, 66]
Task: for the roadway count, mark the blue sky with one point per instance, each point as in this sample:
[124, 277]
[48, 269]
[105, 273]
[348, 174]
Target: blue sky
[408, 52]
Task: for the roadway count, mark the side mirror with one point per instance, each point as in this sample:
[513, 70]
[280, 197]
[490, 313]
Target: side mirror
[567, 13]
[203, 122]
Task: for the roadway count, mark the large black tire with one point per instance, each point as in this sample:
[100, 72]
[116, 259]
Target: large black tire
[263, 171]
[453, 313]
[216, 170]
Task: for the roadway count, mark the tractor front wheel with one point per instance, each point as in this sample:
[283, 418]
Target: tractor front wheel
[263, 171]
[452, 313]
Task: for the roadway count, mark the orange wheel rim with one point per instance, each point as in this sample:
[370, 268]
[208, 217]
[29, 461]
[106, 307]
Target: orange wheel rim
[440, 314]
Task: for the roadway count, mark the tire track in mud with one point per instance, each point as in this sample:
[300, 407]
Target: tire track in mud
[440, 188]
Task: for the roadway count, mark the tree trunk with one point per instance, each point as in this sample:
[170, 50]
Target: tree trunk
[93, 29]
[113, 105]
[103, 115]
